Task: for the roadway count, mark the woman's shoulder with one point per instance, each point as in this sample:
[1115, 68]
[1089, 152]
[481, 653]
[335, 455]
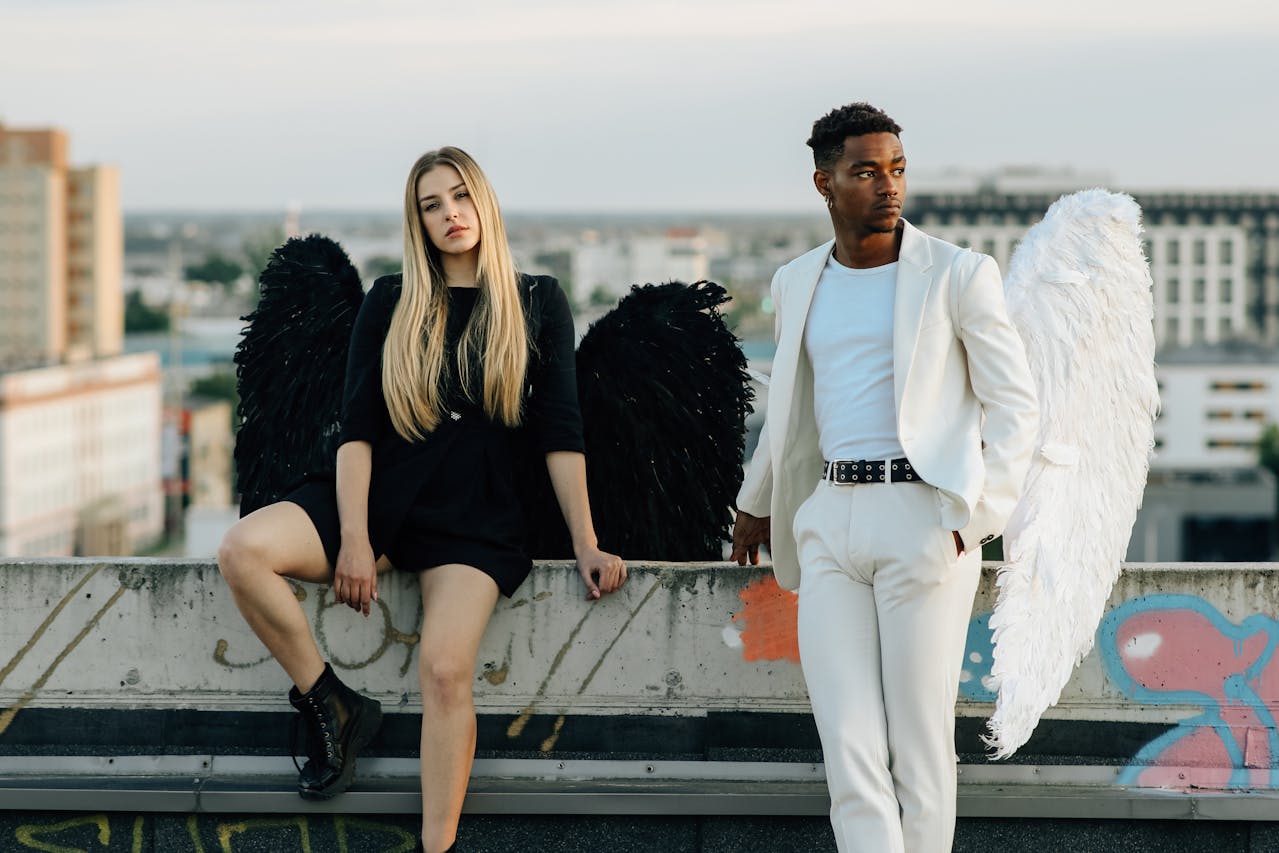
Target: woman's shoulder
[540, 291]
[385, 292]
[532, 283]
[387, 286]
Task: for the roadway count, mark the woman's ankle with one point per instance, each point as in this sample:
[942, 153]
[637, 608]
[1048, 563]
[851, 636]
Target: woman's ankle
[421, 847]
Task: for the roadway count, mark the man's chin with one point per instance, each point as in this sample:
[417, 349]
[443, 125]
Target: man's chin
[887, 225]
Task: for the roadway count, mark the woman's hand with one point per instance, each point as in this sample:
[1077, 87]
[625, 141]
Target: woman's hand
[596, 565]
[355, 581]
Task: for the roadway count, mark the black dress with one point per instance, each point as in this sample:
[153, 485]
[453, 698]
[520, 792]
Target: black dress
[453, 497]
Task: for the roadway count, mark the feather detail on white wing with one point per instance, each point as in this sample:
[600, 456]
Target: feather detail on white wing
[1078, 291]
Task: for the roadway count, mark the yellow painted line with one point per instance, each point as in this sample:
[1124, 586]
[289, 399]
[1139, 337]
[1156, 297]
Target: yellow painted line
[44, 626]
[6, 718]
[28, 835]
[227, 830]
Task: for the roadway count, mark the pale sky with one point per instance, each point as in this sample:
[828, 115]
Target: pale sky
[617, 105]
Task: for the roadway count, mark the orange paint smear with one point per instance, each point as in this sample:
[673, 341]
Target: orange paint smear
[769, 622]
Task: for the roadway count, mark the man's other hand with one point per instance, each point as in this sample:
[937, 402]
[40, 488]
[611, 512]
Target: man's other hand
[749, 532]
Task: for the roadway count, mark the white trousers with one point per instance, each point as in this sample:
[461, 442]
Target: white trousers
[884, 604]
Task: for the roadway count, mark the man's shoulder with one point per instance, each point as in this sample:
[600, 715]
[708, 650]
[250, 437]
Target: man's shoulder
[813, 255]
[941, 250]
[933, 251]
[816, 256]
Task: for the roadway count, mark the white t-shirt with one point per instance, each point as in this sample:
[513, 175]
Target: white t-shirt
[849, 341]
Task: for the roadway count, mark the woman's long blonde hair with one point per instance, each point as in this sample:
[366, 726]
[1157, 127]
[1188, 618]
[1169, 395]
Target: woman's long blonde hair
[413, 368]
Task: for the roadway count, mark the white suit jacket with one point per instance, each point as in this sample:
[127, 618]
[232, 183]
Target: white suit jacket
[966, 409]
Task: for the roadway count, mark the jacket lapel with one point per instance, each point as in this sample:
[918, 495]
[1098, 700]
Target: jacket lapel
[914, 278]
[799, 296]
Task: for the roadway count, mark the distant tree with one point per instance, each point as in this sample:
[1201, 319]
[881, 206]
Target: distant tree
[221, 386]
[216, 269]
[744, 314]
[600, 296]
[1268, 458]
[739, 310]
[137, 243]
[1268, 449]
[140, 317]
[258, 246]
[558, 263]
[380, 265]
[217, 386]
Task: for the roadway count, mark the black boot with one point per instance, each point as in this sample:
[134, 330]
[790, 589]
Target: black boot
[338, 723]
[421, 848]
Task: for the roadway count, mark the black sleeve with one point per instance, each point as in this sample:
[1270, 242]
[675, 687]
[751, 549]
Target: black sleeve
[553, 412]
[364, 415]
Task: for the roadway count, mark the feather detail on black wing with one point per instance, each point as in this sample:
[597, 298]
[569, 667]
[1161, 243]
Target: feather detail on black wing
[290, 366]
[664, 395]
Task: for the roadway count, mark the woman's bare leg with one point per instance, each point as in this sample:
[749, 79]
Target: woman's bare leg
[256, 557]
[457, 602]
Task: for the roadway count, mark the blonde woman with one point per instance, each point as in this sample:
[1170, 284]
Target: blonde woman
[452, 366]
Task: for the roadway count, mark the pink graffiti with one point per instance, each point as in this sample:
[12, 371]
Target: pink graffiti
[1179, 650]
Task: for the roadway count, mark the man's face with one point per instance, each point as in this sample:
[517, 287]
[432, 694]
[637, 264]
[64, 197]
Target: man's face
[867, 184]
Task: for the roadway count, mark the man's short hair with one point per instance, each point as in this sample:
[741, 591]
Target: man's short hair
[830, 131]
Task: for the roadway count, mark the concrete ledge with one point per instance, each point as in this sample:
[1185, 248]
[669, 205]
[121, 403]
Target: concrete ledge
[243, 785]
[1180, 694]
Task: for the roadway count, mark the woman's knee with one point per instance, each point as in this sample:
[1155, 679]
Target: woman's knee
[243, 554]
[445, 677]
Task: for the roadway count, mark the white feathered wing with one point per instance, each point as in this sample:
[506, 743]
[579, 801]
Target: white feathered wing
[1078, 291]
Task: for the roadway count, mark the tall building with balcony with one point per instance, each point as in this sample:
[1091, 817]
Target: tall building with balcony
[33, 246]
[95, 263]
[61, 253]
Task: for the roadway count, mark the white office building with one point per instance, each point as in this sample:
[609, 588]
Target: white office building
[605, 266]
[1214, 255]
[80, 458]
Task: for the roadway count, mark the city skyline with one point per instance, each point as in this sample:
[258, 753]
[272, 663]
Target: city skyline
[616, 107]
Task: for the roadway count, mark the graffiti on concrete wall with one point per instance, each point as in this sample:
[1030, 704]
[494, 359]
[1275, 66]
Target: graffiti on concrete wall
[76, 613]
[1180, 650]
[1158, 650]
[122, 833]
[386, 635]
[764, 629]
[619, 627]
[128, 580]
[978, 653]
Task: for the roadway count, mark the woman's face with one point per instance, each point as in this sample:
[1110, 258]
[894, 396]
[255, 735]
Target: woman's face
[447, 211]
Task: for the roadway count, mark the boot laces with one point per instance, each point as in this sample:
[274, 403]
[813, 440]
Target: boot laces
[322, 749]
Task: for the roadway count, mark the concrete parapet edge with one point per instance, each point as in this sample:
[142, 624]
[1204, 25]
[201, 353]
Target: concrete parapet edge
[679, 641]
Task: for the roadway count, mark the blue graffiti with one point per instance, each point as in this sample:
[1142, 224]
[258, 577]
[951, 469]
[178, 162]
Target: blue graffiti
[978, 652]
[1237, 689]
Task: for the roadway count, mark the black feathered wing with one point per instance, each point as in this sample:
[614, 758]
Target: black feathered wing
[664, 395]
[290, 365]
[661, 379]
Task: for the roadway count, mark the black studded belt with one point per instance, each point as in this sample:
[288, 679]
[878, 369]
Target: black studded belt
[848, 472]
